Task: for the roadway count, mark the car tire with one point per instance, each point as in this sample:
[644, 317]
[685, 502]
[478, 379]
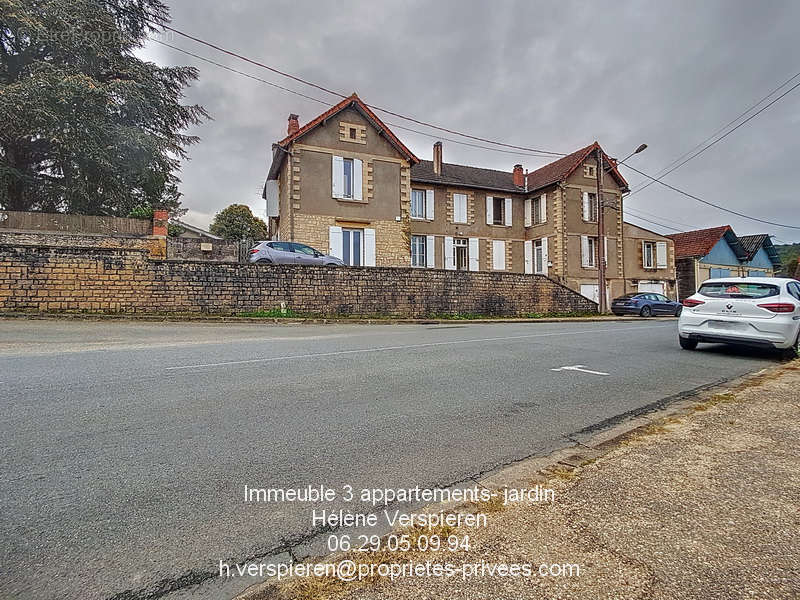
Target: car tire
[687, 343]
[678, 311]
[793, 352]
[646, 312]
[331, 265]
[263, 261]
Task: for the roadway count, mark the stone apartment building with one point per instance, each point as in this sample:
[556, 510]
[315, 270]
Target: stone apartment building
[346, 184]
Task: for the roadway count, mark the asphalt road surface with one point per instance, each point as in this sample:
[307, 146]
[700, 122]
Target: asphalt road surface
[126, 446]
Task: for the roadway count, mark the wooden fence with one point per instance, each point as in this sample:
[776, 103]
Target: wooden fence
[87, 224]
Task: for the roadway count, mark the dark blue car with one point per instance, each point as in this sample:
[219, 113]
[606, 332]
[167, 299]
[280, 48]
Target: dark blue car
[645, 304]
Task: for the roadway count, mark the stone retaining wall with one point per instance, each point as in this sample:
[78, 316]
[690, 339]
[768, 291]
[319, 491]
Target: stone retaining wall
[119, 280]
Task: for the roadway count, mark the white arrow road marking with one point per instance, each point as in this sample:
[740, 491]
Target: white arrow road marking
[581, 368]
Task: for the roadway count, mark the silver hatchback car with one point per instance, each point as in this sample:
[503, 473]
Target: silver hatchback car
[291, 253]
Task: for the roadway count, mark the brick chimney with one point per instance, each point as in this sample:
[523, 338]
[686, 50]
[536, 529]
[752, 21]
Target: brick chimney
[294, 124]
[437, 158]
[160, 219]
[519, 177]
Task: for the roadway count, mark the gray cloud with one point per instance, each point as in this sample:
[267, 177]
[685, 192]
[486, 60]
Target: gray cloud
[551, 75]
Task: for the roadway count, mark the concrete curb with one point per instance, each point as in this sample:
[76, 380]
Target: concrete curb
[579, 453]
[302, 321]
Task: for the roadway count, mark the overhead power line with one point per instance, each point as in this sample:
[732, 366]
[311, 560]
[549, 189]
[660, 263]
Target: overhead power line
[719, 139]
[339, 94]
[455, 132]
[693, 197]
[327, 103]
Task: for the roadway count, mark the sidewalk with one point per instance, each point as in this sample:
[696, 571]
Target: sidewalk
[704, 503]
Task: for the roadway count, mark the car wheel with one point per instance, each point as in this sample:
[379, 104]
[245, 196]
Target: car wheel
[793, 352]
[646, 311]
[331, 265]
[264, 261]
[678, 311]
[687, 343]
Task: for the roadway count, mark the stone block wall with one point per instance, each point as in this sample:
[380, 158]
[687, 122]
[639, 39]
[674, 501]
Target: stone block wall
[119, 280]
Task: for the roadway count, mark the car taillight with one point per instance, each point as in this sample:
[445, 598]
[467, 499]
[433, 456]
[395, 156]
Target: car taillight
[253, 250]
[690, 302]
[778, 307]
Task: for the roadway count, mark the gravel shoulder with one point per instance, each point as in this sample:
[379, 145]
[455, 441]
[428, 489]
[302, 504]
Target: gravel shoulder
[701, 503]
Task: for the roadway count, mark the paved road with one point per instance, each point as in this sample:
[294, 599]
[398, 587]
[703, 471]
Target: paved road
[126, 446]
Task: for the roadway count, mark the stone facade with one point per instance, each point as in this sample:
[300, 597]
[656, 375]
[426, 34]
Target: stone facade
[121, 280]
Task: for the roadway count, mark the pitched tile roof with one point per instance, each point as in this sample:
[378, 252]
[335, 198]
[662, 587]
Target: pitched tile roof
[464, 176]
[356, 102]
[562, 168]
[752, 243]
[699, 242]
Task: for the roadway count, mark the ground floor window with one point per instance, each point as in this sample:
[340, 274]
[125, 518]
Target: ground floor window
[461, 253]
[418, 254]
[353, 247]
[717, 273]
[538, 256]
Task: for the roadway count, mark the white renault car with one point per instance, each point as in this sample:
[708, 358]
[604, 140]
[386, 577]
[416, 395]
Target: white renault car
[753, 311]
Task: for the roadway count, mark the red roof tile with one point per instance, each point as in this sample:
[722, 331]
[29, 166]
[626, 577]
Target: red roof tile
[562, 168]
[698, 242]
[350, 100]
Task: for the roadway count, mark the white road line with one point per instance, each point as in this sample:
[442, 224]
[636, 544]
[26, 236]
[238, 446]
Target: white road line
[580, 369]
[409, 346]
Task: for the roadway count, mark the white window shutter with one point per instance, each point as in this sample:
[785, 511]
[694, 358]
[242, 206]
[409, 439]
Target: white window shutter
[449, 259]
[586, 207]
[489, 210]
[369, 247]
[337, 176]
[661, 255]
[508, 212]
[528, 256]
[474, 261]
[429, 205]
[545, 256]
[498, 255]
[543, 209]
[430, 256]
[644, 254]
[335, 245]
[585, 251]
[358, 181]
[459, 208]
[528, 212]
[605, 249]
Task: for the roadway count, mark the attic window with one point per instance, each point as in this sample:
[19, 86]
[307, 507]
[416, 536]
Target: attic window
[590, 171]
[352, 132]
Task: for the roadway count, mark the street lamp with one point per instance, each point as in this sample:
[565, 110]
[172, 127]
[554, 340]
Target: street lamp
[601, 260]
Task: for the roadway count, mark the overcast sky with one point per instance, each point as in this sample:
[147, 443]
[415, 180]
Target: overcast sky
[549, 75]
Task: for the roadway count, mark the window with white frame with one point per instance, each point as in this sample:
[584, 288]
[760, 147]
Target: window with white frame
[590, 171]
[649, 255]
[590, 207]
[418, 251]
[588, 251]
[461, 254]
[346, 176]
[417, 204]
[538, 256]
[459, 208]
[499, 211]
[539, 210]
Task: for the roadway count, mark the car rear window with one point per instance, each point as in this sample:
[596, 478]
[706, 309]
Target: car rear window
[737, 289]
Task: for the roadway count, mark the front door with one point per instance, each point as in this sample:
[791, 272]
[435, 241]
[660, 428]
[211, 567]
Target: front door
[353, 247]
[461, 254]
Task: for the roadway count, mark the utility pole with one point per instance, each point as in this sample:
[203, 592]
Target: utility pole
[600, 246]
